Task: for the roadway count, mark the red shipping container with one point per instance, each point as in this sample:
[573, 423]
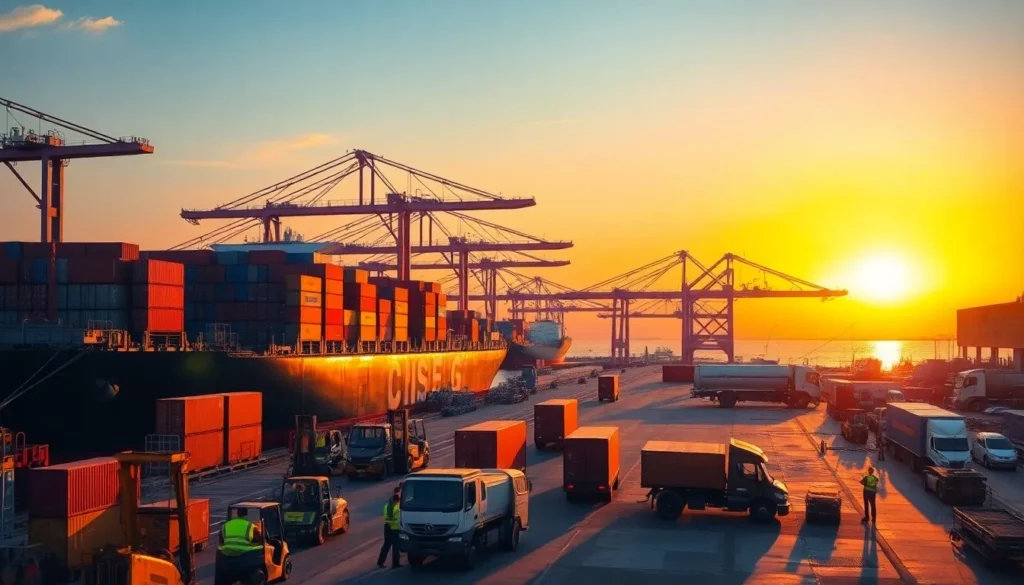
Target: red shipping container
[384, 307]
[158, 320]
[362, 304]
[97, 271]
[8, 271]
[332, 301]
[334, 332]
[190, 415]
[334, 317]
[158, 296]
[112, 250]
[158, 272]
[188, 257]
[70, 489]
[310, 315]
[205, 450]
[242, 409]
[244, 443]
[267, 257]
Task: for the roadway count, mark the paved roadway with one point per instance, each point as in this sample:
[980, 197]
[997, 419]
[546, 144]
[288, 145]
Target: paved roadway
[625, 542]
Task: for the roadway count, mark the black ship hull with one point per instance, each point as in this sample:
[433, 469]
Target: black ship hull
[96, 402]
[525, 355]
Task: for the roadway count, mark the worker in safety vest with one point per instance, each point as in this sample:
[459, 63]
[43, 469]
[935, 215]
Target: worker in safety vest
[321, 440]
[870, 483]
[392, 514]
[239, 535]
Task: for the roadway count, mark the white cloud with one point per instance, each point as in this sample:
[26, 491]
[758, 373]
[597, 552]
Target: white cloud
[264, 154]
[95, 25]
[28, 17]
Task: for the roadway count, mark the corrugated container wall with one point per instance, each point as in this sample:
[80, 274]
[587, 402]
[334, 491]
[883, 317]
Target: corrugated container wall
[70, 539]
[492, 445]
[159, 523]
[73, 488]
[190, 415]
[243, 409]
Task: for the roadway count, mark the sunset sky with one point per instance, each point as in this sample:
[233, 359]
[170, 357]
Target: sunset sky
[874, 146]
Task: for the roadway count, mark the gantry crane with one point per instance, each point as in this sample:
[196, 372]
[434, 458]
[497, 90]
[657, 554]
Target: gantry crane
[303, 195]
[706, 300]
[54, 152]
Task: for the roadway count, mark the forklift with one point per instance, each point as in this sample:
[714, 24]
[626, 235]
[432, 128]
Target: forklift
[398, 445]
[317, 452]
[855, 427]
[272, 563]
[136, 564]
[312, 509]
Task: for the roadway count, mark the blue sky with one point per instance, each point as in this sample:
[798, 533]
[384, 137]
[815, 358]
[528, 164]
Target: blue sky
[715, 115]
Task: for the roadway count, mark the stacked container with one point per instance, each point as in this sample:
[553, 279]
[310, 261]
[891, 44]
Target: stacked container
[158, 523]
[361, 298]
[303, 318]
[442, 317]
[198, 422]
[334, 309]
[158, 297]
[74, 509]
[243, 426]
[392, 308]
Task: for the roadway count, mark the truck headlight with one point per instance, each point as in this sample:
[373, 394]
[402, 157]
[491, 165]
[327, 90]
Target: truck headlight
[782, 497]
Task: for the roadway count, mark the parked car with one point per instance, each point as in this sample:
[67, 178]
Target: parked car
[994, 451]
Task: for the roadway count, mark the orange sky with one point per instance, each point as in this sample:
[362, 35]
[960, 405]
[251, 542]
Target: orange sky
[900, 143]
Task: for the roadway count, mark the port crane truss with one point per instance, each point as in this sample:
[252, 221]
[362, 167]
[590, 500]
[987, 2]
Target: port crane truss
[384, 233]
[54, 152]
[704, 301]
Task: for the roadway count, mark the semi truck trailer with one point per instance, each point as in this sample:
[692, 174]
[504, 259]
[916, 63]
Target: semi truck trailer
[841, 395]
[976, 390]
[797, 386]
[925, 435]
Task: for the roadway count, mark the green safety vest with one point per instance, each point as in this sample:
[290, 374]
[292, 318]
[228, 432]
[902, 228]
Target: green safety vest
[238, 535]
[392, 514]
[870, 483]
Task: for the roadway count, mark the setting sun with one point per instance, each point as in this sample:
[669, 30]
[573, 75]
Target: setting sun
[882, 278]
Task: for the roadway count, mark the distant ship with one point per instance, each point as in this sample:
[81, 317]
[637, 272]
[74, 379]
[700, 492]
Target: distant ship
[544, 343]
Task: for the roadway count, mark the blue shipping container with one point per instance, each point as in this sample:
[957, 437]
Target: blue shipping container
[230, 258]
[62, 270]
[241, 292]
[12, 250]
[237, 273]
[39, 271]
[262, 273]
[299, 258]
[191, 274]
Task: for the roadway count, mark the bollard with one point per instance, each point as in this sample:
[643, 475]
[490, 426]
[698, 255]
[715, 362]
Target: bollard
[823, 446]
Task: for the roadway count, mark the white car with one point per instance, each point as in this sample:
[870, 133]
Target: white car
[994, 451]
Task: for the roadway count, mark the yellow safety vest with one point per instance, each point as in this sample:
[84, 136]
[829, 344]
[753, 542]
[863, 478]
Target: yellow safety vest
[238, 535]
[321, 441]
[870, 483]
[392, 514]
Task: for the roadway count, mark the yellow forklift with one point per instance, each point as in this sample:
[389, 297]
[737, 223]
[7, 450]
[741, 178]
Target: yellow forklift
[135, 564]
[273, 562]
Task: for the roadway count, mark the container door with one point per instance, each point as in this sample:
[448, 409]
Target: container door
[575, 462]
[597, 462]
[487, 454]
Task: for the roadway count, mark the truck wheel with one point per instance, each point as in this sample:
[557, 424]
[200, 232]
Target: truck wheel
[512, 536]
[801, 402]
[762, 511]
[669, 505]
[472, 552]
[727, 399]
[286, 568]
[415, 562]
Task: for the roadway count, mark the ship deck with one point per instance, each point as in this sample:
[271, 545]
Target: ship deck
[625, 542]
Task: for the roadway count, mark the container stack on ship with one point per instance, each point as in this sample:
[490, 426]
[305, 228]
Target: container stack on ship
[93, 335]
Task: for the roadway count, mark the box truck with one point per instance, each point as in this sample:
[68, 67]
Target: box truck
[456, 513]
[842, 395]
[976, 390]
[925, 435]
[554, 420]
[497, 444]
[590, 463]
[732, 477]
[797, 386]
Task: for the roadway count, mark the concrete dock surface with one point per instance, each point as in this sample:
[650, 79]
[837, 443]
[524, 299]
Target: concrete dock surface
[625, 541]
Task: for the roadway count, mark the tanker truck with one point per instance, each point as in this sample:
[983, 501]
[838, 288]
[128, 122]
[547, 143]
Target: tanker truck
[976, 390]
[797, 386]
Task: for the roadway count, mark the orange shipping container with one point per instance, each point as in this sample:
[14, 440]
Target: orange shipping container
[242, 409]
[401, 321]
[189, 415]
[367, 318]
[360, 289]
[75, 488]
[159, 524]
[495, 444]
[590, 461]
[158, 296]
[303, 283]
[332, 302]
[113, 250]
[294, 332]
[333, 287]
[306, 315]
[368, 304]
[683, 464]
[401, 335]
[159, 320]
[205, 450]
[368, 333]
[354, 275]
[71, 539]
[303, 299]
[384, 306]
[553, 420]
[349, 318]
[158, 272]
[335, 332]
[608, 387]
[244, 443]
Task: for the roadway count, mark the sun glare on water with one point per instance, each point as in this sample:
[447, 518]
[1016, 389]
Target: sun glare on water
[882, 279]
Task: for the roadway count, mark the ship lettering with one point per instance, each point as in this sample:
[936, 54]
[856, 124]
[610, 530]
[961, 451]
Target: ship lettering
[395, 387]
[456, 373]
[435, 381]
[421, 378]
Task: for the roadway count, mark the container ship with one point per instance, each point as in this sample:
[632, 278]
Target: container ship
[133, 327]
[538, 343]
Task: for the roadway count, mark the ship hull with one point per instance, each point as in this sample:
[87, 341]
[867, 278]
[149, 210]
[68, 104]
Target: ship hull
[524, 355]
[102, 402]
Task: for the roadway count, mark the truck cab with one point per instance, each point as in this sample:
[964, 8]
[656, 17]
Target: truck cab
[459, 512]
[381, 449]
[975, 390]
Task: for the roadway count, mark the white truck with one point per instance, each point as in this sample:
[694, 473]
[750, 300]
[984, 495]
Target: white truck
[457, 513]
[976, 390]
[797, 386]
[925, 435]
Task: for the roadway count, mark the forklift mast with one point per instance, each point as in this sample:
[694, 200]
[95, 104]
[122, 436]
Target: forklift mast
[398, 420]
[304, 459]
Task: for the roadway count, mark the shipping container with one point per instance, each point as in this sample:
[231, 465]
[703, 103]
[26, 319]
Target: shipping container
[334, 332]
[112, 250]
[298, 332]
[590, 461]
[303, 283]
[70, 489]
[205, 450]
[231, 258]
[243, 443]
[242, 409]
[267, 257]
[334, 287]
[333, 302]
[156, 320]
[72, 539]
[495, 444]
[608, 387]
[159, 524]
[97, 271]
[8, 271]
[553, 420]
[304, 299]
[187, 257]
[677, 373]
[152, 271]
[683, 465]
[158, 296]
[355, 275]
[190, 414]
[304, 315]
